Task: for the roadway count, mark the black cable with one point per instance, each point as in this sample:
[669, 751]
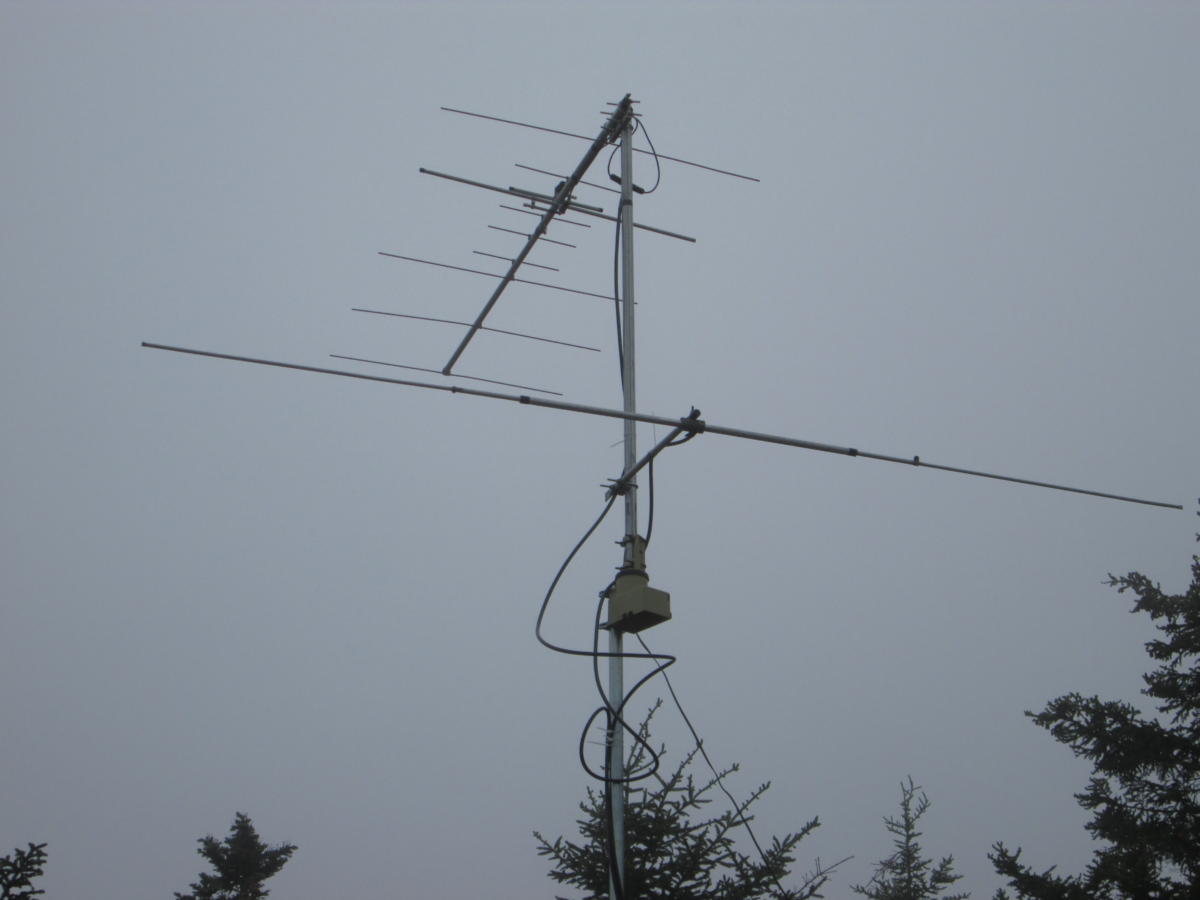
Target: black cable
[650, 509]
[616, 712]
[537, 631]
[596, 654]
[650, 485]
[716, 774]
[617, 297]
[657, 165]
[638, 125]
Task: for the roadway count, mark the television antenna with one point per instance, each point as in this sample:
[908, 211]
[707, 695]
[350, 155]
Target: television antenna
[632, 605]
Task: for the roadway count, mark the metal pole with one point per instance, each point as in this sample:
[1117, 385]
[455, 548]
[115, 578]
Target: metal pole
[616, 685]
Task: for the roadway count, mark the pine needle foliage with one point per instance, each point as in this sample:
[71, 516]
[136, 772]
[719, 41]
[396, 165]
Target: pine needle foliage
[675, 850]
[242, 862]
[907, 874]
[1144, 793]
[17, 871]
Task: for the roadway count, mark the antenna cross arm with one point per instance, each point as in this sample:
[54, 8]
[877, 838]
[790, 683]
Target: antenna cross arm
[601, 215]
[570, 204]
[584, 137]
[692, 424]
[688, 424]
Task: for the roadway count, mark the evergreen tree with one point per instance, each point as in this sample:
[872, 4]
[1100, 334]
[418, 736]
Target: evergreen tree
[906, 874]
[242, 862]
[670, 856]
[1144, 794]
[17, 871]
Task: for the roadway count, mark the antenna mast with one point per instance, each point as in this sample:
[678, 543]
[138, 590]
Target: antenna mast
[633, 550]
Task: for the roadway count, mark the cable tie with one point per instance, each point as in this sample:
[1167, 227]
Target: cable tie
[618, 486]
[692, 423]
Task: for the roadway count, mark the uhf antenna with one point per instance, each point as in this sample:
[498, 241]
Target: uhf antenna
[632, 604]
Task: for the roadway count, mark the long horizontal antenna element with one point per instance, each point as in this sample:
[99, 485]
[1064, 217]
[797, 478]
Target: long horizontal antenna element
[534, 198]
[608, 218]
[520, 334]
[516, 192]
[463, 112]
[508, 259]
[530, 212]
[508, 279]
[526, 234]
[380, 362]
[688, 424]
[599, 187]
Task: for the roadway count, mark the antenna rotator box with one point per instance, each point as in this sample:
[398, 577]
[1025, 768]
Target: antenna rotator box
[635, 606]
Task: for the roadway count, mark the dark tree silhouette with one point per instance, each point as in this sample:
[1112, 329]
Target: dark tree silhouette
[1144, 794]
[670, 856]
[906, 874]
[17, 871]
[242, 862]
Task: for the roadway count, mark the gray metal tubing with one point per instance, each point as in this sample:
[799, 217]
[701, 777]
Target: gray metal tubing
[687, 424]
[545, 198]
[644, 461]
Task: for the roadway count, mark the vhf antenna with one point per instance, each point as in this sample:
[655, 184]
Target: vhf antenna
[632, 604]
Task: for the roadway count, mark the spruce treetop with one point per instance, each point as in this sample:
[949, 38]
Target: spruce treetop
[241, 863]
[1144, 793]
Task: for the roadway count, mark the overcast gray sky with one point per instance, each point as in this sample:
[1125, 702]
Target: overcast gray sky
[312, 599]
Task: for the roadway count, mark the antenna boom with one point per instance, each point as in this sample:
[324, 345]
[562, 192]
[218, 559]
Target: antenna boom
[688, 424]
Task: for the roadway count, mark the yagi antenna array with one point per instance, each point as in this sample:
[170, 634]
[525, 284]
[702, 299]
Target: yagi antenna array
[559, 203]
[631, 604]
[549, 208]
[546, 208]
